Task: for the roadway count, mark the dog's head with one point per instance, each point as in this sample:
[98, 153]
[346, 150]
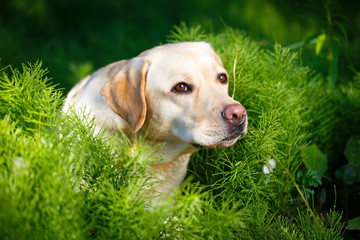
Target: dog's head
[177, 92]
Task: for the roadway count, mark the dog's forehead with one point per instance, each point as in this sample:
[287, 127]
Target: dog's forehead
[173, 60]
[190, 52]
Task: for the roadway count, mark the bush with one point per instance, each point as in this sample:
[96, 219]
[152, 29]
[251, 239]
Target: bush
[59, 180]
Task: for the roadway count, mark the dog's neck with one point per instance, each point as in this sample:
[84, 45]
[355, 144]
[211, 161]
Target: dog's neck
[170, 174]
[171, 165]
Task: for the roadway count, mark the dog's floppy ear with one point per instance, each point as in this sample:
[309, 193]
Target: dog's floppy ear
[125, 91]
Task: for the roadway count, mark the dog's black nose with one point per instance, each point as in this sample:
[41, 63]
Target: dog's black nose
[234, 114]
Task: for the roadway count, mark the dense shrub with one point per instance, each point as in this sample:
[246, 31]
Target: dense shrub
[63, 182]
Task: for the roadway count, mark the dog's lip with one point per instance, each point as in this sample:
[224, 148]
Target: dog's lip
[230, 138]
[196, 145]
[233, 136]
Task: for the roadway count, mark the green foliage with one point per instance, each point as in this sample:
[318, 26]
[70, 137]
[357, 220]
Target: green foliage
[281, 99]
[352, 151]
[318, 227]
[312, 227]
[182, 33]
[314, 159]
[325, 33]
[354, 224]
[308, 180]
[81, 70]
[36, 194]
[350, 172]
[331, 42]
[62, 181]
[17, 97]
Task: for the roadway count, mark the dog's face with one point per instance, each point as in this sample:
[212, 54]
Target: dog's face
[184, 97]
[187, 95]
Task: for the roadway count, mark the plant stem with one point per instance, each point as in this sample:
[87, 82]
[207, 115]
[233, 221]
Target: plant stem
[294, 182]
[234, 72]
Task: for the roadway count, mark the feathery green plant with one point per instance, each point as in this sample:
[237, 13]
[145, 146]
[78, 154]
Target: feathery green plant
[62, 181]
[28, 98]
[281, 99]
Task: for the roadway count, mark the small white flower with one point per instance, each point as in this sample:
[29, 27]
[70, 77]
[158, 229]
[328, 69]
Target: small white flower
[266, 169]
[272, 163]
[269, 166]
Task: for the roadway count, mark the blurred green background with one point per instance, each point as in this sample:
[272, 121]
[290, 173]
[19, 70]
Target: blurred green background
[73, 38]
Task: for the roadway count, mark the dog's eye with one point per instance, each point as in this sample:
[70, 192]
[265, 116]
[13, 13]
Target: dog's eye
[223, 78]
[181, 88]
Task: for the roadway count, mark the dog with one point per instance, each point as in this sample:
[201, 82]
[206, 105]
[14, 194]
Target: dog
[175, 95]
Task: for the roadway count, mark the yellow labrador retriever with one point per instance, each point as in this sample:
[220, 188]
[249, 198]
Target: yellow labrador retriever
[175, 94]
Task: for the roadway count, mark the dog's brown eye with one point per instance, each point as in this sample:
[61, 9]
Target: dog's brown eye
[181, 88]
[223, 78]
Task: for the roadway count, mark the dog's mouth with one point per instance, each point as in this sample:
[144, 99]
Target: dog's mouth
[226, 142]
[233, 136]
[199, 146]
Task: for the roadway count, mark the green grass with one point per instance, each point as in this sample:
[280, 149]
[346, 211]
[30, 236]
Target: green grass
[59, 181]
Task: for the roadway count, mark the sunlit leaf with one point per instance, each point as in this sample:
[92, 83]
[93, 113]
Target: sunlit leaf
[354, 224]
[319, 43]
[314, 159]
